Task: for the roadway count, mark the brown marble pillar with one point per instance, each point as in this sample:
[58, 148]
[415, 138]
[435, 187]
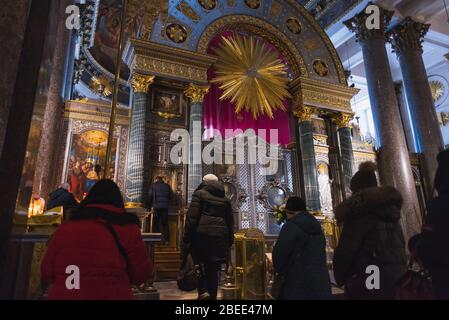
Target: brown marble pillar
[44, 173]
[19, 120]
[12, 31]
[406, 39]
[393, 155]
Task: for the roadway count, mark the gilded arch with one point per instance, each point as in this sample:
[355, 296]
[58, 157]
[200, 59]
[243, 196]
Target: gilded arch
[260, 28]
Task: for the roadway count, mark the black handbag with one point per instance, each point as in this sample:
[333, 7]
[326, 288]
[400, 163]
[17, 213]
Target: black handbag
[187, 278]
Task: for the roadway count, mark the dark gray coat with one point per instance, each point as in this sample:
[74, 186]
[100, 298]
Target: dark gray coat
[433, 246]
[371, 235]
[300, 254]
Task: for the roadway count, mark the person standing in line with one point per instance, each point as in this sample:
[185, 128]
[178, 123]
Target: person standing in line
[209, 234]
[433, 244]
[371, 236]
[299, 256]
[62, 197]
[100, 248]
[160, 195]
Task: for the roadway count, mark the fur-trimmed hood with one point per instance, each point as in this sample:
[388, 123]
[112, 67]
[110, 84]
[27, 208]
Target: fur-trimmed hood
[383, 202]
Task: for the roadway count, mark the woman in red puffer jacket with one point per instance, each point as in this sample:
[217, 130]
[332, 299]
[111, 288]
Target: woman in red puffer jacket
[104, 243]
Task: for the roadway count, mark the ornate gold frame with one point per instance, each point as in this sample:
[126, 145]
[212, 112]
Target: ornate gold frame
[151, 58]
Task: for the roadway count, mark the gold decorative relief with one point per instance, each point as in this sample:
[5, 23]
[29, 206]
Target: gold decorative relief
[141, 83]
[168, 115]
[101, 86]
[311, 44]
[320, 67]
[231, 3]
[208, 4]
[188, 11]
[161, 60]
[262, 29]
[253, 4]
[196, 93]
[148, 11]
[305, 113]
[294, 26]
[343, 120]
[251, 77]
[444, 118]
[327, 95]
[437, 89]
[275, 9]
[176, 33]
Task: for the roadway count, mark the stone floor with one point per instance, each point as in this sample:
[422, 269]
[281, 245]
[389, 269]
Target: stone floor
[169, 291]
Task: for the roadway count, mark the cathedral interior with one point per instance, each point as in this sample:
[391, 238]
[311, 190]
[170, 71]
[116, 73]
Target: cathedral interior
[111, 83]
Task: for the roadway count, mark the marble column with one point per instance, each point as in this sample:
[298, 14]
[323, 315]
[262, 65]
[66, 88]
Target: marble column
[406, 39]
[12, 32]
[195, 168]
[393, 157]
[45, 170]
[312, 190]
[134, 185]
[406, 121]
[345, 145]
[19, 121]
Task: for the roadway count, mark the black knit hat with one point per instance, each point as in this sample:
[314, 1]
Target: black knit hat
[365, 177]
[295, 204]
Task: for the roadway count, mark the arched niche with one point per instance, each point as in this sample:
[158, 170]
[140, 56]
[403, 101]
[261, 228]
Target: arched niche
[294, 28]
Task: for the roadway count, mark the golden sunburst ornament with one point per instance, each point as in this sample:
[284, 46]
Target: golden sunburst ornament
[101, 86]
[251, 76]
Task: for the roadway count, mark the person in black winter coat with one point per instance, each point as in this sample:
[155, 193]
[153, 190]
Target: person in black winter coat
[62, 197]
[433, 246]
[159, 195]
[371, 235]
[300, 256]
[209, 234]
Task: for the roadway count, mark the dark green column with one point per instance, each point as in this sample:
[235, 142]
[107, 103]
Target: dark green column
[346, 151]
[308, 159]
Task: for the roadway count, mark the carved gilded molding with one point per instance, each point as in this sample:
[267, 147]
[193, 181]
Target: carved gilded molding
[343, 120]
[320, 140]
[149, 11]
[160, 60]
[196, 93]
[305, 113]
[408, 36]
[327, 95]
[141, 82]
[261, 28]
[77, 110]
